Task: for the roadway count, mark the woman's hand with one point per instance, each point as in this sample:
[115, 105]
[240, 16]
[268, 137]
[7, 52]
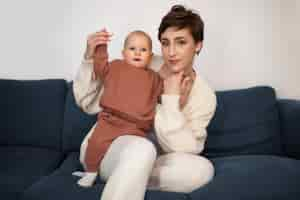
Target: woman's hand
[95, 39]
[185, 89]
[172, 83]
[179, 84]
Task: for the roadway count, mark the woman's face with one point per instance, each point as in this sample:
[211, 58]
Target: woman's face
[179, 48]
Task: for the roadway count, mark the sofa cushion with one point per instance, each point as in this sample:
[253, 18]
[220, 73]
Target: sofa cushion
[252, 177]
[246, 122]
[161, 195]
[76, 124]
[32, 112]
[22, 166]
[62, 184]
[290, 127]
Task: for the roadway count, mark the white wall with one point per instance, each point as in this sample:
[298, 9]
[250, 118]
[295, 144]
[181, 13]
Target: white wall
[247, 42]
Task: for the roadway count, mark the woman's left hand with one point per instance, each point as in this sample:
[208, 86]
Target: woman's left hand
[185, 89]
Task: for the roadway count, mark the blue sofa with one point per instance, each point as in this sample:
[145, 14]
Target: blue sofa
[253, 141]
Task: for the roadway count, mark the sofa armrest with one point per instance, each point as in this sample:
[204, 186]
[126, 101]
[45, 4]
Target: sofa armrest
[289, 112]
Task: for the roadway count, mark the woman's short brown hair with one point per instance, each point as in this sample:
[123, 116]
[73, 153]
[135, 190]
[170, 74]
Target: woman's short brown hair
[180, 17]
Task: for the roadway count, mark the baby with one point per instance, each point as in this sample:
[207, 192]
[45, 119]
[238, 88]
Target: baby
[131, 92]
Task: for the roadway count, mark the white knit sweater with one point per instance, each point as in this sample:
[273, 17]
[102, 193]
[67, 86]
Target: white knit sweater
[176, 130]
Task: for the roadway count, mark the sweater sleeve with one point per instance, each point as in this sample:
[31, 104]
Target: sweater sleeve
[86, 90]
[179, 131]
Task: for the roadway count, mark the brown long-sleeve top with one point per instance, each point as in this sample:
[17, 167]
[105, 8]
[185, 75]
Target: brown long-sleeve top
[128, 101]
[129, 92]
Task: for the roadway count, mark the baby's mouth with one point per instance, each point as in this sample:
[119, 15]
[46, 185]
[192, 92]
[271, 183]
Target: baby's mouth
[137, 59]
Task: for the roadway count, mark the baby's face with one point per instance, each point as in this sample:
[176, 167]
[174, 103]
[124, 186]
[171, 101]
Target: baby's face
[137, 51]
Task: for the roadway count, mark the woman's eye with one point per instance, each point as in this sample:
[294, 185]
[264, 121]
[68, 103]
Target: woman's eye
[164, 43]
[182, 42]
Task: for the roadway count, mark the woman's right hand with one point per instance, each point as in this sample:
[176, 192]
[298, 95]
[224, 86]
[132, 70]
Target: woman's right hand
[172, 83]
[179, 85]
[95, 39]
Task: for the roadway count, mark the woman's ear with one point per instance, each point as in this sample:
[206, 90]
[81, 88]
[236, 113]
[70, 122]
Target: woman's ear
[199, 47]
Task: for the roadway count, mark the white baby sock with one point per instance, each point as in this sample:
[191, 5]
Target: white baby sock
[88, 179]
[78, 173]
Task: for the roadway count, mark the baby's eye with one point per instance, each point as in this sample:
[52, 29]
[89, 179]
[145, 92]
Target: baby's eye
[131, 48]
[144, 49]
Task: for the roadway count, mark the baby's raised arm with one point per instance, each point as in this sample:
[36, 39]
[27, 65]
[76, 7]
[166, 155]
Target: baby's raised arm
[100, 56]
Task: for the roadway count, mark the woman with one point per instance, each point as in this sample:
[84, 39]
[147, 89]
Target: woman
[133, 164]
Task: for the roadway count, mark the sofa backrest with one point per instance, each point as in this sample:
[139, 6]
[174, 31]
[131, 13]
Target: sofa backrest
[31, 112]
[76, 124]
[246, 122]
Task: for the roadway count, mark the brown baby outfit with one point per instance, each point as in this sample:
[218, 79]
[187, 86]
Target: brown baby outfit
[128, 101]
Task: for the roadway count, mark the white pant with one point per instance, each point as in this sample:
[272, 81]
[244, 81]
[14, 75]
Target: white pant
[131, 166]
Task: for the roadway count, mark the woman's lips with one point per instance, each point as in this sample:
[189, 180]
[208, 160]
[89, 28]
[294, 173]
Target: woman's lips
[173, 62]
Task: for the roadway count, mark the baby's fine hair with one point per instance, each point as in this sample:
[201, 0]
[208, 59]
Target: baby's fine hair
[141, 33]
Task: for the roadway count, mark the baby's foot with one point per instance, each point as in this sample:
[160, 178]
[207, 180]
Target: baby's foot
[78, 173]
[88, 179]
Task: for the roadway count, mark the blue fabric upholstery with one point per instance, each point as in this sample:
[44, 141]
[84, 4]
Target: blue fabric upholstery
[253, 141]
[290, 126]
[77, 124]
[155, 195]
[32, 112]
[255, 177]
[246, 122]
[62, 184]
[22, 166]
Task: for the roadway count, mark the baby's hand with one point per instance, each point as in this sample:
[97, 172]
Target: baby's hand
[87, 179]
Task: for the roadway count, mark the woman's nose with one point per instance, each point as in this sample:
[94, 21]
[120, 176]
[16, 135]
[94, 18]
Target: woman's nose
[171, 50]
